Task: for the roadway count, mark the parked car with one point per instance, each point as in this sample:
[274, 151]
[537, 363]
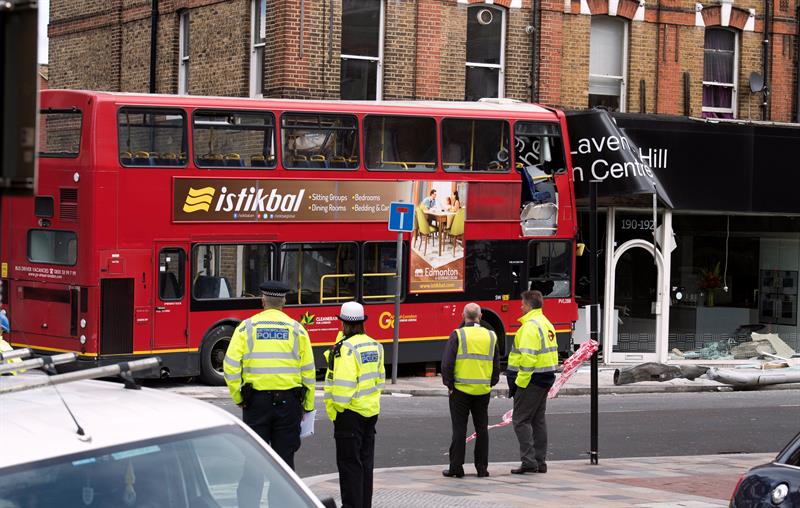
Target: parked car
[776, 484]
[96, 444]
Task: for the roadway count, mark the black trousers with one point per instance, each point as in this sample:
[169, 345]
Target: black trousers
[355, 457]
[275, 416]
[530, 405]
[461, 405]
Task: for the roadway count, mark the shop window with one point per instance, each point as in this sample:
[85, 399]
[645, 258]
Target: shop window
[380, 266]
[400, 143]
[608, 55]
[183, 53]
[171, 273]
[152, 137]
[258, 39]
[52, 247]
[233, 139]
[60, 133]
[720, 70]
[319, 273]
[362, 50]
[319, 141]
[475, 145]
[230, 271]
[550, 268]
[486, 52]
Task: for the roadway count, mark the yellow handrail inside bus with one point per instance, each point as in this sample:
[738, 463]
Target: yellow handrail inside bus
[336, 276]
[380, 274]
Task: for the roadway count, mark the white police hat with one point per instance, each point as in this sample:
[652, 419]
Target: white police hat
[352, 312]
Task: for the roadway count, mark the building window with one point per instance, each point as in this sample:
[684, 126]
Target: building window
[720, 70]
[183, 55]
[257, 43]
[486, 52]
[608, 63]
[362, 50]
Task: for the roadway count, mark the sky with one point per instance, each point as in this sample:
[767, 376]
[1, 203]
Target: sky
[44, 15]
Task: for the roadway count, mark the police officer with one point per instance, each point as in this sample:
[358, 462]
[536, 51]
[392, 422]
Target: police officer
[470, 367]
[531, 372]
[270, 372]
[5, 327]
[353, 385]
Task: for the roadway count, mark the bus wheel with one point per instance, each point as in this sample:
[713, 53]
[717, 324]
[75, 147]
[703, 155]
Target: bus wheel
[212, 355]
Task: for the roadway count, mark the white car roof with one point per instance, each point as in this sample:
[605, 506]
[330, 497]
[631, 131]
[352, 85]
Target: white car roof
[35, 424]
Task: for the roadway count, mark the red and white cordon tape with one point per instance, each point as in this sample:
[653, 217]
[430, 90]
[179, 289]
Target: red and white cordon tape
[571, 364]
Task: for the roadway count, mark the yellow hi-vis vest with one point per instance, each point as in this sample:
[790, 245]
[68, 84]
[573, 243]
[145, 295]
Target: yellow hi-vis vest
[535, 348]
[6, 347]
[357, 378]
[474, 361]
[271, 351]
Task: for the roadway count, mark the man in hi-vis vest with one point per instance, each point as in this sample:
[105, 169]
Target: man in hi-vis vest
[470, 367]
[353, 385]
[269, 368]
[533, 360]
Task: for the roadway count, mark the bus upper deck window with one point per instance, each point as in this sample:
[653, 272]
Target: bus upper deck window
[319, 141]
[538, 145]
[475, 145]
[399, 143]
[233, 139]
[60, 134]
[152, 137]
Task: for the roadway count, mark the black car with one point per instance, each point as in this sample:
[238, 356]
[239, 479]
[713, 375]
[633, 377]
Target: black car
[776, 484]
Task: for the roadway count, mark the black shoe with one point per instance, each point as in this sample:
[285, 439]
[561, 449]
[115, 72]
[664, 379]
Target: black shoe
[453, 474]
[483, 473]
[525, 469]
[542, 468]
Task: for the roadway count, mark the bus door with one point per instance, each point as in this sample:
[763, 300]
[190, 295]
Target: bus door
[171, 299]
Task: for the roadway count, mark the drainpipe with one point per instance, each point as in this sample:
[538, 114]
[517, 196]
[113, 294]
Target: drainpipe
[767, 18]
[797, 68]
[658, 55]
[153, 43]
[536, 22]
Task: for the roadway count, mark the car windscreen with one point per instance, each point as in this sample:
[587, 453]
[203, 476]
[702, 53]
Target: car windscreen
[220, 467]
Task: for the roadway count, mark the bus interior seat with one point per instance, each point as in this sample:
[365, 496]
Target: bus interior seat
[258, 160]
[233, 160]
[142, 158]
[168, 159]
[126, 157]
[337, 161]
[209, 286]
[299, 161]
[539, 219]
[211, 159]
[168, 287]
[318, 161]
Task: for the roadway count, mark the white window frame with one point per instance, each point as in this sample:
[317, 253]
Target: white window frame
[501, 76]
[257, 48]
[734, 100]
[379, 58]
[623, 79]
[183, 53]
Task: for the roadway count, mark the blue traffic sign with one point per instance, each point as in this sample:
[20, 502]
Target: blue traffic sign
[401, 217]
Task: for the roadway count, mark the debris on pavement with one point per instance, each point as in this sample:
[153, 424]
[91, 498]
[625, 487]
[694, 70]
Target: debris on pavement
[653, 371]
[754, 377]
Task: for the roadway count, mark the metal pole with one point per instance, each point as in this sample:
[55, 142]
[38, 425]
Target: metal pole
[35, 363]
[398, 281]
[594, 316]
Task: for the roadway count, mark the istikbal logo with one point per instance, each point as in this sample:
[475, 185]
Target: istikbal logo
[198, 199]
[248, 199]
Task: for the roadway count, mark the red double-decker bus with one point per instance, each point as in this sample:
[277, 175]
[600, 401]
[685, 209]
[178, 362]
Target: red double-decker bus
[156, 218]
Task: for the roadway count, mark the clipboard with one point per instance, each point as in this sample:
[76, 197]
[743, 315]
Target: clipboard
[307, 424]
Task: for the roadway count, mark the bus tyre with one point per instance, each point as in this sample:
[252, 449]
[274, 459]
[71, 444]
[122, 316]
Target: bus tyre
[212, 355]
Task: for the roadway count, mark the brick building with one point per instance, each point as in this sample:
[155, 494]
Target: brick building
[651, 57]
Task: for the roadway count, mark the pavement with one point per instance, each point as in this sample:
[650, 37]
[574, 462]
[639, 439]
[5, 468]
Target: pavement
[654, 482]
[578, 384]
[663, 482]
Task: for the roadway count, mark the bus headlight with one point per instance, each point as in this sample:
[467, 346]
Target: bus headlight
[83, 339]
[83, 323]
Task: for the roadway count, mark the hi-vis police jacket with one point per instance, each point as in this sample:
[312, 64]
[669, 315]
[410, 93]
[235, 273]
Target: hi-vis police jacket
[535, 348]
[271, 351]
[357, 377]
[472, 373]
